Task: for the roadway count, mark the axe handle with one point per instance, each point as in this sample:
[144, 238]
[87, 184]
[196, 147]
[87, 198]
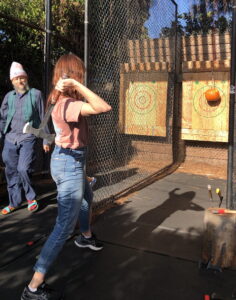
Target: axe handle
[51, 105]
[222, 211]
[46, 116]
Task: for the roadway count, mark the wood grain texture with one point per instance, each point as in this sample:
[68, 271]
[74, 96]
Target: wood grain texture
[219, 240]
[143, 102]
[203, 120]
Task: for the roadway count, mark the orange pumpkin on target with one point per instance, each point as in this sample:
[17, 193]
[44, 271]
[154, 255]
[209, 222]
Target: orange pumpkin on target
[212, 94]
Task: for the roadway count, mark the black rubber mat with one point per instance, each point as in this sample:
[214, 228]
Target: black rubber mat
[152, 245]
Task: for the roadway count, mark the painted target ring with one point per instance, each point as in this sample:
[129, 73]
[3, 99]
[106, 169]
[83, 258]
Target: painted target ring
[206, 109]
[142, 98]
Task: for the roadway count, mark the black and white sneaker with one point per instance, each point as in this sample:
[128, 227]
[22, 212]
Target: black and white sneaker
[91, 243]
[44, 292]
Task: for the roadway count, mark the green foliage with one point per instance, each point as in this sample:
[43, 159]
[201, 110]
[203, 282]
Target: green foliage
[170, 31]
[68, 23]
[207, 17]
[29, 11]
[25, 44]
[203, 18]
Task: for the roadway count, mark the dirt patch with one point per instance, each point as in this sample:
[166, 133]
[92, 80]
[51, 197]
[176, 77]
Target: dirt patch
[196, 168]
[203, 169]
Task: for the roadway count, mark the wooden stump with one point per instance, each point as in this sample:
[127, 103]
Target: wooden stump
[219, 242]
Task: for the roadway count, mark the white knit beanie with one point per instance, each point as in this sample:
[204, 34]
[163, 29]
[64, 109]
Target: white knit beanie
[17, 70]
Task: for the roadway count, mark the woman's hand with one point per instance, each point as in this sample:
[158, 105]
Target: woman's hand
[95, 104]
[64, 84]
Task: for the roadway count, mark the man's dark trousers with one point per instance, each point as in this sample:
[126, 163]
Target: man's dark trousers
[18, 160]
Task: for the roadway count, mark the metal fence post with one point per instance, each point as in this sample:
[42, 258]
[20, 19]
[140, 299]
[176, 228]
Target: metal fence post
[230, 203]
[86, 42]
[47, 46]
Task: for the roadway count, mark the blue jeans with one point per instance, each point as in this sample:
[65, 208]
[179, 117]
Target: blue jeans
[18, 160]
[74, 199]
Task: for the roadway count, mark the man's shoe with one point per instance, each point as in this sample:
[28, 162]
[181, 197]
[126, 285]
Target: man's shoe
[44, 292]
[91, 243]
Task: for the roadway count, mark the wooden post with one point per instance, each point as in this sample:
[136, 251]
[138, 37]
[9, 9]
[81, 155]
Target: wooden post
[219, 242]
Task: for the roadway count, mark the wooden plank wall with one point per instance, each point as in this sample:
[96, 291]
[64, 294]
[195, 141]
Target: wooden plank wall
[206, 47]
[143, 102]
[212, 49]
[201, 54]
[201, 120]
[151, 50]
[206, 52]
[144, 86]
[206, 64]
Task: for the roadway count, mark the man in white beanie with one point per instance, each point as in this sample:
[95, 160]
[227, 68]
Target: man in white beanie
[20, 106]
[17, 70]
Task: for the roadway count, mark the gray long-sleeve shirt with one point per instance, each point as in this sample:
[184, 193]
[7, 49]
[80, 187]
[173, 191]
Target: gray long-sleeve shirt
[15, 133]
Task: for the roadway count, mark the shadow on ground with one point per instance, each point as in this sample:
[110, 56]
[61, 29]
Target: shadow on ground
[152, 245]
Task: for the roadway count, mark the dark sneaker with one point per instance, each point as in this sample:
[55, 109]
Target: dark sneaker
[44, 292]
[91, 243]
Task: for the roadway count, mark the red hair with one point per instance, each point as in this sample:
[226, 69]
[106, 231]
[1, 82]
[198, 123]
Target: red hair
[72, 66]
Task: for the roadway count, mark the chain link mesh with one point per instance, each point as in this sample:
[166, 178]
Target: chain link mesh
[24, 42]
[132, 67]
[186, 6]
[206, 158]
[132, 62]
[133, 59]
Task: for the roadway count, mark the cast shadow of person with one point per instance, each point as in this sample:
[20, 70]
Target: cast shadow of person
[153, 218]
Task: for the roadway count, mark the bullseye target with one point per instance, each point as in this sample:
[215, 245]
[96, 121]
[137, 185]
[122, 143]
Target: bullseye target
[143, 103]
[205, 120]
[142, 98]
[208, 109]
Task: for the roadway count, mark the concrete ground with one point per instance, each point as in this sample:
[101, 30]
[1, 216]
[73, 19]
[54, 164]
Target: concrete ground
[152, 246]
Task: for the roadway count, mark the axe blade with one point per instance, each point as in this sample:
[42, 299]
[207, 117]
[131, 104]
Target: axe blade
[40, 133]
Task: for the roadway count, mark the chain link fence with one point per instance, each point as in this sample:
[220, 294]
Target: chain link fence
[24, 41]
[134, 57]
[132, 64]
[205, 39]
[186, 6]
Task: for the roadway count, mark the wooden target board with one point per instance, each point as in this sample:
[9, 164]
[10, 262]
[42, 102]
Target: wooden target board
[203, 120]
[143, 101]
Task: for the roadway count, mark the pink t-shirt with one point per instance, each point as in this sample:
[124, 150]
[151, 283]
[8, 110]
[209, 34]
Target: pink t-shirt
[71, 128]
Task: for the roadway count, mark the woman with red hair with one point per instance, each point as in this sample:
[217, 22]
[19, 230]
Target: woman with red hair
[67, 163]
